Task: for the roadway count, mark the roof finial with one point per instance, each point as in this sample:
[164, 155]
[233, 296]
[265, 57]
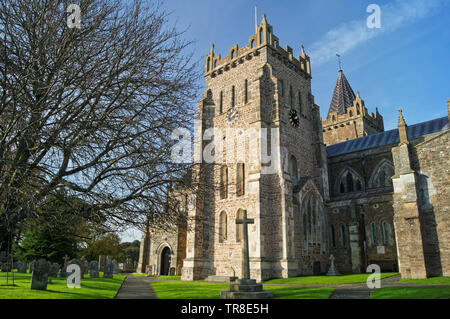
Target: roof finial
[401, 120]
[339, 61]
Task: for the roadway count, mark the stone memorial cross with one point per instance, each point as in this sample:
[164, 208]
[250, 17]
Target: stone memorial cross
[245, 254]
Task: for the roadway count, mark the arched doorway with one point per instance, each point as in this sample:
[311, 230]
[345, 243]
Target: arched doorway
[165, 261]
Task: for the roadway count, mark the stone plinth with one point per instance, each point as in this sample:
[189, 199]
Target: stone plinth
[246, 289]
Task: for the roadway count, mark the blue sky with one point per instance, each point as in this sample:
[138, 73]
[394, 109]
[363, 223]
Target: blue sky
[404, 64]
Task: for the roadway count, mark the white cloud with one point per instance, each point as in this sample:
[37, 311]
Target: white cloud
[349, 35]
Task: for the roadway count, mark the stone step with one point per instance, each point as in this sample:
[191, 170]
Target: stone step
[265, 294]
[246, 288]
[221, 279]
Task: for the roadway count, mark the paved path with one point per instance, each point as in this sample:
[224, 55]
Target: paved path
[135, 287]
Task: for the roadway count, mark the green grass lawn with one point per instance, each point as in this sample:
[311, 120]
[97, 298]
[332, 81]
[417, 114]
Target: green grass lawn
[326, 280]
[138, 275]
[194, 290]
[439, 292]
[91, 288]
[432, 280]
[169, 277]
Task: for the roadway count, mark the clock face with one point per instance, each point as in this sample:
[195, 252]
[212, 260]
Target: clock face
[293, 118]
[232, 116]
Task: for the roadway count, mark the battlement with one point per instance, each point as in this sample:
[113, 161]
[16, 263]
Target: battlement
[216, 65]
[357, 110]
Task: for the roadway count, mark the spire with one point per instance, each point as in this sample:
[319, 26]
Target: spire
[402, 128]
[343, 95]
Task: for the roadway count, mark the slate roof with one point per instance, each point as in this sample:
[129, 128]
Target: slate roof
[388, 137]
[343, 95]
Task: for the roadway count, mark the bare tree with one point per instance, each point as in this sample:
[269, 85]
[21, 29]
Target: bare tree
[91, 109]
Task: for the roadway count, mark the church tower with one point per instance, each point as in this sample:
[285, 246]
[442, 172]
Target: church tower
[257, 119]
[348, 117]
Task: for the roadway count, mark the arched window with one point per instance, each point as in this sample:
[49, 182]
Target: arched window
[232, 54]
[223, 182]
[252, 44]
[215, 64]
[358, 185]
[261, 36]
[333, 118]
[222, 227]
[305, 226]
[221, 103]
[293, 169]
[373, 232]
[333, 237]
[343, 237]
[239, 227]
[240, 179]
[300, 102]
[386, 233]
[233, 97]
[245, 91]
[208, 64]
[351, 113]
[382, 175]
[358, 110]
[349, 182]
[291, 97]
[342, 187]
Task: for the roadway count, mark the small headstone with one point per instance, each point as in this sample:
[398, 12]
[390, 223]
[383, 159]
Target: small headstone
[109, 269]
[39, 278]
[63, 272]
[32, 266]
[53, 270]
[101, 262]
[172, 271]
[93, 269]
[85, 268]
[22, 267]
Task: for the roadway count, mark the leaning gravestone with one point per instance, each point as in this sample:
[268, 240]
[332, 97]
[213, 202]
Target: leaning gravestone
[53, 270]
[22, 267]
[109, 269]
[93, 269]
[39, 278]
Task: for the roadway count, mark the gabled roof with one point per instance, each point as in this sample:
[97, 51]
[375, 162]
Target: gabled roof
[388, 137]
[343, 96]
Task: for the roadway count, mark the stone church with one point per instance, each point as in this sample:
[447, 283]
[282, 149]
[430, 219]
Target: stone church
[340, 186]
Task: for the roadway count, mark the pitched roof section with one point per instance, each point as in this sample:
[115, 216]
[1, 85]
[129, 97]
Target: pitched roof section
[343, 95]
[388, 137]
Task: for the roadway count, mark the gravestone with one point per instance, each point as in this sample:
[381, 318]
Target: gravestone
[115, 267]
[93, 269]
[85, 268]
[108, 269]
[332, 271]
[3, 257]
[32, 266]
[39, 278]
[5, 267]
[21, 267]
[246, 288]
[101, 262]
[53, 270]
[79, 263]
